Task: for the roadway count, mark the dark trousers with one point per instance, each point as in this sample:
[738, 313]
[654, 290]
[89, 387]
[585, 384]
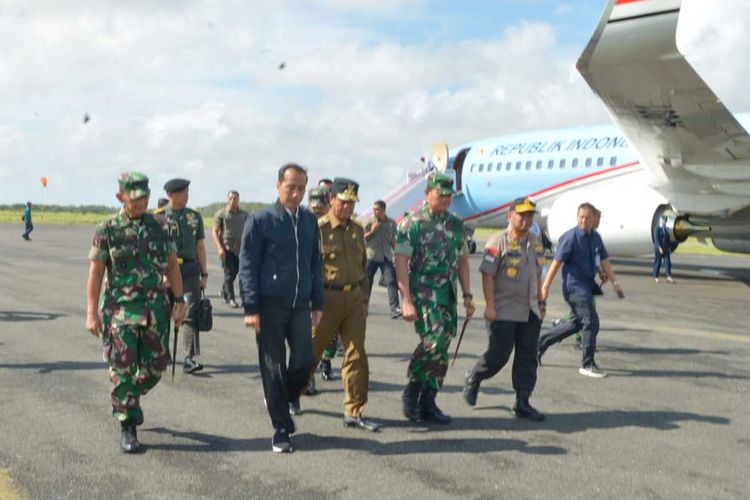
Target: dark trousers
[389, 274]
[191, 285]
[231, 267]
[658, 258]
[504, 336]
[584, 319]
[27, 232]
[281, 325]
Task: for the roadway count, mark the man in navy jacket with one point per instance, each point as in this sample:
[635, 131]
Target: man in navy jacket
[662, 250]
[282, 293]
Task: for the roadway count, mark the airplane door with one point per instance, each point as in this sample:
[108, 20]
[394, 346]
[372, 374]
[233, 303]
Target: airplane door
[458, 166]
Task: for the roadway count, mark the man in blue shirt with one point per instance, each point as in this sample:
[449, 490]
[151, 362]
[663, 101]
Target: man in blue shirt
[579, 252]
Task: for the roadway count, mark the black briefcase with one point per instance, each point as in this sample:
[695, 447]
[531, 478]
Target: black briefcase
[204, 313]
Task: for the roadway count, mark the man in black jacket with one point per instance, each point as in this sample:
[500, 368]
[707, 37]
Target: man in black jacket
[282, 293]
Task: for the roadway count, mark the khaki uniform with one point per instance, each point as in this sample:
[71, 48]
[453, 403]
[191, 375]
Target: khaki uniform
[345, 283]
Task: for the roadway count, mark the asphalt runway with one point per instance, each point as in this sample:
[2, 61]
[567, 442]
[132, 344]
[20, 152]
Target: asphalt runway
[670, 421]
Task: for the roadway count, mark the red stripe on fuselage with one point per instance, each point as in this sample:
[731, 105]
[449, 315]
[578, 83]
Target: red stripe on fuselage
[620, 2]
[553, 187]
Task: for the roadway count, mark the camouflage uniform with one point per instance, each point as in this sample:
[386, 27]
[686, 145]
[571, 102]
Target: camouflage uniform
[433, 243]
[134, 305]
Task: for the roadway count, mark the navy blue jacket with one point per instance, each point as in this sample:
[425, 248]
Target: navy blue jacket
[661, 239]
[280, 261]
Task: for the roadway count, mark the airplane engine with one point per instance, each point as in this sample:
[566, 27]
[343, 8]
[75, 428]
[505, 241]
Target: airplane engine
[629, 213]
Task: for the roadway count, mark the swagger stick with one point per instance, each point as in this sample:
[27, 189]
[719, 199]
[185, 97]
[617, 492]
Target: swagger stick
[174, 348]
[458, 345]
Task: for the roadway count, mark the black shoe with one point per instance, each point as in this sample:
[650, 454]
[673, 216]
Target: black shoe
[129, 438]
[281, 442]
[523, 409]
[361, 423]
[294, 408]
[326, 370]
[410, 401]
[191, 366]
[471, 389]
[310, 390]
[429, 410]
[138, 420]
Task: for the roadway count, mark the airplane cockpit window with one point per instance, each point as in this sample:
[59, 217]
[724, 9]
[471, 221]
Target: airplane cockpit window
[613, 161]
[528, 165]
[562, 163]
[588, 162]
[550, 164]
[599, 161]
[538, 164]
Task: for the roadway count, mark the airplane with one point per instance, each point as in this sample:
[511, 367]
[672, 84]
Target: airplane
[676, 150]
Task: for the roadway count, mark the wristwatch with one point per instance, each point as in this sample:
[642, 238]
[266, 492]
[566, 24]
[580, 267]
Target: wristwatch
[203, 275]
[179, 300]
[468, 295]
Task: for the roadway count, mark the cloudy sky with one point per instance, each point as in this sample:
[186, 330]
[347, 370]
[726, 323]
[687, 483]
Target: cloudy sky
[193, 88]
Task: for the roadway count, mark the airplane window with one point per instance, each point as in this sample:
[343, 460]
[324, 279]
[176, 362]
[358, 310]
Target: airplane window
[518, 165]
[574, 164]
[550, 163]
[588, 162]
[489, 167]
[528, 165]
[613, 161]
[508, 165]
[481, 167]
[538, 164]
[472, 168]
[562, 163]
[599, 161]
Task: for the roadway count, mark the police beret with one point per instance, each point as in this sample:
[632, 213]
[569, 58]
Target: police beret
[175, 185]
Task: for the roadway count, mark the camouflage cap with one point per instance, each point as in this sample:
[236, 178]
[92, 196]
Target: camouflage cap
[443, 183]
[345, 189]
[318, 196]
[134, 184]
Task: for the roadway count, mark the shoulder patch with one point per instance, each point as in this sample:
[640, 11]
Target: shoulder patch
[323, 221]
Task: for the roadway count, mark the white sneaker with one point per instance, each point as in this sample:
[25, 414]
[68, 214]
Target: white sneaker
[592, 371]
[656, 280]
[669, 279]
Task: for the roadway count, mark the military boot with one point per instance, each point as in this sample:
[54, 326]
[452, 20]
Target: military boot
[410, 399]
[429, 410]
[129, 438]
[523, 409]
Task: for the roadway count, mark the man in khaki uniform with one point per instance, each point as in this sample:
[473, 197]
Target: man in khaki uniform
[511, 282]
[342, 241]
[229, 223]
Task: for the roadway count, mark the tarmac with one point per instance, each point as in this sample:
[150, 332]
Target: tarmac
[670, 421]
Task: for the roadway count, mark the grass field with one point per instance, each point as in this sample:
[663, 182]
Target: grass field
[691, 246]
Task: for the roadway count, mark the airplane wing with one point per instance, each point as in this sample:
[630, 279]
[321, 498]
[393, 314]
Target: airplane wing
[697, 153]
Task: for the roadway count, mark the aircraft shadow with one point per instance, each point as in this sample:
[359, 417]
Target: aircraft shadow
[58, 366]
[20, 316]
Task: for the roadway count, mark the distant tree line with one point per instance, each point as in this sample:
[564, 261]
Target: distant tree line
[207, 211]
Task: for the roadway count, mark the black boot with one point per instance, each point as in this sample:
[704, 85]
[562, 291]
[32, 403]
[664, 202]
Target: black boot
[326, 369]
[129, 438]
[523, 408]
[410, 399]
[471, 388]
[430, 411]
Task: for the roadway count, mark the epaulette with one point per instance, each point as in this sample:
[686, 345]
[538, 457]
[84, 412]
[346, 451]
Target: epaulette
[160, 211]
[357, 222]
[323, 221]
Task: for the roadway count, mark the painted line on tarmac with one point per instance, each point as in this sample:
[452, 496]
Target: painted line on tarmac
[8, 488]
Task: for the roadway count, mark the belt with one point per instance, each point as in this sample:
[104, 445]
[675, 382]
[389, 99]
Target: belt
[182, 261]
[342, 288]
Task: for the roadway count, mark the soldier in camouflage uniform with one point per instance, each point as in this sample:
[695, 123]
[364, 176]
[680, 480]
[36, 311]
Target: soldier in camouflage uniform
[136, 251]
[189, 236]
[431, 255]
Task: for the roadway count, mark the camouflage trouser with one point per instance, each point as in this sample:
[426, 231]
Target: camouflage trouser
[330, 351]
[436, 326]
[137, 357]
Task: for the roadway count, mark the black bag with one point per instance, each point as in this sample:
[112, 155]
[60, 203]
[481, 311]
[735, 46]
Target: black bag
[204, 313]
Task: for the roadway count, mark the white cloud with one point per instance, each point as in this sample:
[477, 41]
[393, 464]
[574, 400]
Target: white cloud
[193, 89]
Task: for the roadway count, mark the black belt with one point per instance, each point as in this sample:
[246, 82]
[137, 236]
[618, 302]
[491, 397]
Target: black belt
[182, 261]
[342, 288]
